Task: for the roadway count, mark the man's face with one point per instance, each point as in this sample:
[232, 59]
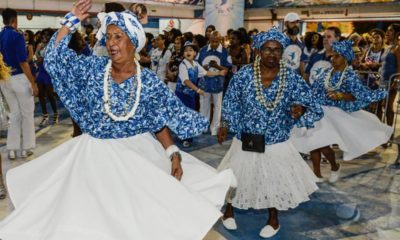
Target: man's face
[214, 41]
[329, 38]
[293, 28]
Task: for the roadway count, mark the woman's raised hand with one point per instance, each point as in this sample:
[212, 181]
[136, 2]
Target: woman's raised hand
[81, 9]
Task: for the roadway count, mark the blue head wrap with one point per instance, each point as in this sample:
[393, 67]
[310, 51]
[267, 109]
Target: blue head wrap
[127, 22]
[271, 35]
[345, 49]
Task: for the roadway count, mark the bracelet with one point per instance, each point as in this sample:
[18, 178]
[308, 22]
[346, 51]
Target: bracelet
[70, 21]
[171, 150]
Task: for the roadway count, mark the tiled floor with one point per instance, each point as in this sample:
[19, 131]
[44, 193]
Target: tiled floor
[365, 204]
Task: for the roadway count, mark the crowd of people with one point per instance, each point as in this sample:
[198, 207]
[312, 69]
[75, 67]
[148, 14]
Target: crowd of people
[279, 93]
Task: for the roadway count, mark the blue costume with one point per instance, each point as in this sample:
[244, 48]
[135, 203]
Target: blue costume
[190, 72]
[112, 180]
[344, 123]
[278, 177]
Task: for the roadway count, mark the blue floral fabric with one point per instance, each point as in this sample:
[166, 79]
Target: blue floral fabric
[78, 81]
[351, 84]
[244, 113]
[271, 35]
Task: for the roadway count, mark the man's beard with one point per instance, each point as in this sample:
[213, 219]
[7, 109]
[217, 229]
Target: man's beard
[293, 31]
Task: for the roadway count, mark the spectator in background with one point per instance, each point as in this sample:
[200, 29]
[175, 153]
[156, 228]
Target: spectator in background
[292, 54]
[199, 40]
[30, 42]
[237, 52]
[214, 58]
[390, 66]
[145, 59]
[209, 30]
[173, 65]
[21, 88]
[92, 40]
[88, 30]
[44, 82]
[313, 45]
[160, 57]
[188, 37]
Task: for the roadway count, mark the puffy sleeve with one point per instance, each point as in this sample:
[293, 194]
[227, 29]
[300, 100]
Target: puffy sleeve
[168, 110]
[363, 95]
[70, 74]
[231, 106]
[303, 95]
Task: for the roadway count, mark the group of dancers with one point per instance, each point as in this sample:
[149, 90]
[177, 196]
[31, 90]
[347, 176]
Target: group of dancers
[123, 178]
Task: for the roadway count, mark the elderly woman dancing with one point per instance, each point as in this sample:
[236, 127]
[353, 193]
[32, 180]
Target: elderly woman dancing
[263, 103]
[116, 181]
[342, 96]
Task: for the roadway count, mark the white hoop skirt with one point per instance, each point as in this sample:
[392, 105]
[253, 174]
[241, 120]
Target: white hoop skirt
[278, 178]
[356, 133]
[114, 189]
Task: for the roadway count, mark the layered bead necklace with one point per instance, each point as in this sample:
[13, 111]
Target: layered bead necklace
[327, 80]
[270, 106]
[107, 81]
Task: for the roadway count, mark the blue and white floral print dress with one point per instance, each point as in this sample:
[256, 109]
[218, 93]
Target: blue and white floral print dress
[113, 182]
[344, 123]
[279, 177]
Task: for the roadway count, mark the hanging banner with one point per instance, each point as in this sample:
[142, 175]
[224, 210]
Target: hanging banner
[224, 14]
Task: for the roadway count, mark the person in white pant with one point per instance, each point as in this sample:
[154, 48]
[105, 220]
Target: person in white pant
[213, 58]
[20, 89]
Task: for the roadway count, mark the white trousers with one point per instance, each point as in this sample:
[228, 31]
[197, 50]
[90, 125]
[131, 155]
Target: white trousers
[205, 109]
[18, 94]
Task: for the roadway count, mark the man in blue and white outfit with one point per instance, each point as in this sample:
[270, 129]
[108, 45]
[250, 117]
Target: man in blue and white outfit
[263, 103]
[215, 58]
[20, 90]
[292, 53]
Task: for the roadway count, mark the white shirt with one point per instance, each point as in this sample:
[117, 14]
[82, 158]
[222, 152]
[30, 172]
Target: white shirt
[184, 69]
[158, 63]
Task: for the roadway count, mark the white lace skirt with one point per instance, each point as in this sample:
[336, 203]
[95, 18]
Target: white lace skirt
[278, 178]
[116, 189]
[356, 133]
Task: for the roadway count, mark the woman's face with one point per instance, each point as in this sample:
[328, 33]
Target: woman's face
[314, 39]
[160, 42]
[389, 36]
[338, 61]
[234, 40]
[26, 36]
[376, 39]
[208, 32]
[178, 44]
[119, 46]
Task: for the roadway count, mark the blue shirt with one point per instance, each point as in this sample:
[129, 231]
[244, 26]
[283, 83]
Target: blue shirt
[78, 81]
[292, 54]
[221, 56]
[13, 49]
[244, 113]
[351, 84]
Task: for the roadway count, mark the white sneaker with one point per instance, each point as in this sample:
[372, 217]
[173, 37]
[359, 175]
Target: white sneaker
[229, 223]
[268, 231]
[335, 175]
[26, 153]
[11, 154]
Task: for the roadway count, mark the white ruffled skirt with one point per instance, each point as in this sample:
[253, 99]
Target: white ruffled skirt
[278, 178]
[114, 189]
[356, 133]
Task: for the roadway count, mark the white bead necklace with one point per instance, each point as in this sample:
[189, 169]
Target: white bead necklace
[270, 106]
[328, 76]
[106, 97]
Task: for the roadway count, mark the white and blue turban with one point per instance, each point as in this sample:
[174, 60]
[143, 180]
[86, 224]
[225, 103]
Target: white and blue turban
[127, 22]
[344, 48]
[271, 35]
